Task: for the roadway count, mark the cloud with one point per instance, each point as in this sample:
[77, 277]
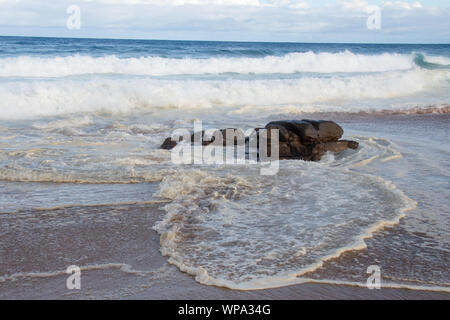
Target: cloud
[363, 5]
[250, 3]
[246, 20]
[181, 2]
[353, 4]
[402, 5]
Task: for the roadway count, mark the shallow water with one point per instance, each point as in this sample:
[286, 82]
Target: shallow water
[230, 226]
[79, 145]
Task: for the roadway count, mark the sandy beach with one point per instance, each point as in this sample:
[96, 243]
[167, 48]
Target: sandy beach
[129, 265]
[88, 183]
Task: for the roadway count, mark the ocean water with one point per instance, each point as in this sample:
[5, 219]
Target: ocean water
[81, 122]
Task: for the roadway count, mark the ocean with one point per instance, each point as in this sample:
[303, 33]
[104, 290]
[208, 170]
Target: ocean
[83, 180]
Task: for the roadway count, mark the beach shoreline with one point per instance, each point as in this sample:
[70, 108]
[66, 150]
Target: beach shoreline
[119, 252]
[85, 181]
[143, 273]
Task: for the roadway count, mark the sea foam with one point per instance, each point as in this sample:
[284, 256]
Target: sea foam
[307, 81]
[25, 99]
[238, 230]
[345, 61]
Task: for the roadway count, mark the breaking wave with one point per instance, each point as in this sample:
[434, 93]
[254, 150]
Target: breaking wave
[21, 99]
[345, 61]
[432, 63]
[314, 82]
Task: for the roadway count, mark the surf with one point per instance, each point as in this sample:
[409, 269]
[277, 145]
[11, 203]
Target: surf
[238, 230]
[423, 62]
[295, 62]
[25, 100]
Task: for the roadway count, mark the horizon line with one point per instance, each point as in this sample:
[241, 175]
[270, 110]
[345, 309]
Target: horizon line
[235, 41]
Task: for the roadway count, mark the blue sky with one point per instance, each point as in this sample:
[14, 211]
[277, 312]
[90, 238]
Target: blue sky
[425, 21]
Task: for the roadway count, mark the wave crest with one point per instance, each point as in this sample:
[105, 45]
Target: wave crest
[310, 62]
[20, 100]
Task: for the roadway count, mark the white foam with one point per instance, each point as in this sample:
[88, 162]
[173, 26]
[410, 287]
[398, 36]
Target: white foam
[75, 122]
[126, 268]
[22, 174]
[20, 100]
[346, 61]
[390, 285]
[444, 61]
[238, 230]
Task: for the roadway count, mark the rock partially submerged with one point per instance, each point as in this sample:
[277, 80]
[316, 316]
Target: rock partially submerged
[168, 144]
[298, 139]
[309, 139]
[307, 131]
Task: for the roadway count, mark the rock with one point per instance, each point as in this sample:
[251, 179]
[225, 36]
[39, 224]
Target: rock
[328, 130]
[285, 150]
[338, 146]
[305, 139]
[308, 131]
[298, 151]
[230, 133]
[168, 144]
[351, 144]
[237, 134]
[295, 130]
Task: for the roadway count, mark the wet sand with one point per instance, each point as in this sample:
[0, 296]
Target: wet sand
[118, 252]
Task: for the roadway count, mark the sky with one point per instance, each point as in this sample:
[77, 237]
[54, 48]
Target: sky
[425, 21]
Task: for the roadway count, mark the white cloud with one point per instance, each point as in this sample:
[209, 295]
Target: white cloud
[250, 3]
[402, 5]
[256, 20]
[362, 5]
[185, 2]
[353, 4]
[298, 4]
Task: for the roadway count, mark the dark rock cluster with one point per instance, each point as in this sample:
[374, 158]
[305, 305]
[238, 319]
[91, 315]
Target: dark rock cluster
[298, 139]
[309, 139]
